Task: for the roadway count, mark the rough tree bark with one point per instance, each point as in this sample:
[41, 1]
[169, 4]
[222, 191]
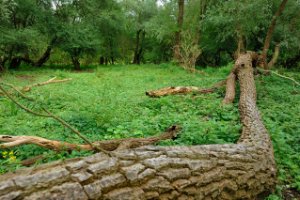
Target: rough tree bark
[176, 53]
[263, 59]
[245, 170]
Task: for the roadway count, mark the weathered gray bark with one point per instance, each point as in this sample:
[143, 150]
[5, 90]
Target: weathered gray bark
[244, 170]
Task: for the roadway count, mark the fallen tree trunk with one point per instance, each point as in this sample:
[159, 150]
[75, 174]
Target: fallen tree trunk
[245, 170]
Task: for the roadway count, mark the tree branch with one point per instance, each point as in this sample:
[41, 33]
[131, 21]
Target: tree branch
[184, 90]
[106, 145]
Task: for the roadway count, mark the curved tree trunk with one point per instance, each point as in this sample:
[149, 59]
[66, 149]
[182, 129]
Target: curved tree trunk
[275, 56]
[244, 170]
[263, 61]
[44, 58]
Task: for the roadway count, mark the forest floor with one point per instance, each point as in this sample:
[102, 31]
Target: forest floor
[110, 102]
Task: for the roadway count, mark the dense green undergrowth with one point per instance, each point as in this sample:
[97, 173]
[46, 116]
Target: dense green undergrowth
[110, 102]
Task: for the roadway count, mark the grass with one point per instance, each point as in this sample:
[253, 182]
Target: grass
[110, 102]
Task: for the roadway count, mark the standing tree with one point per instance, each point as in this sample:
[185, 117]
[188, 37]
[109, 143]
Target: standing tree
[263, 61]
[180, 16]
[77, 36]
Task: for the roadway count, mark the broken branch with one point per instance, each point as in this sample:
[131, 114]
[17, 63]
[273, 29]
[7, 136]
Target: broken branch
[50, 81]
[183, 90]
[108, 145]
[280, 75]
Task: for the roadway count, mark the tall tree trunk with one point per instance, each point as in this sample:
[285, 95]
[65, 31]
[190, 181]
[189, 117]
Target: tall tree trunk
[176, 53]
[137, 46]
[76, 63]
[245, 170]
[140, 51]
[263, 59]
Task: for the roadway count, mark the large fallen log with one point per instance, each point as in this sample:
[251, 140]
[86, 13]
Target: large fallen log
[245, 170]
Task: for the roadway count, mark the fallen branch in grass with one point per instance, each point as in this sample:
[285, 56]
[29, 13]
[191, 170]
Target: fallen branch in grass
[50, 81]
[29, 87]
[107, 145]
[280, 75]
[184, 90]
[16, 89]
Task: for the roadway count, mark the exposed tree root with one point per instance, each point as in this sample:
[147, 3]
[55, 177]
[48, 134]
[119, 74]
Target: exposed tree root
[108, 145]
[183, 90]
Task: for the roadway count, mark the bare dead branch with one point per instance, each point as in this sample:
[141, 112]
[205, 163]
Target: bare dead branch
[17, 90]
[184, 90]
[280, 75]
[108, 145]
[50, 81]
